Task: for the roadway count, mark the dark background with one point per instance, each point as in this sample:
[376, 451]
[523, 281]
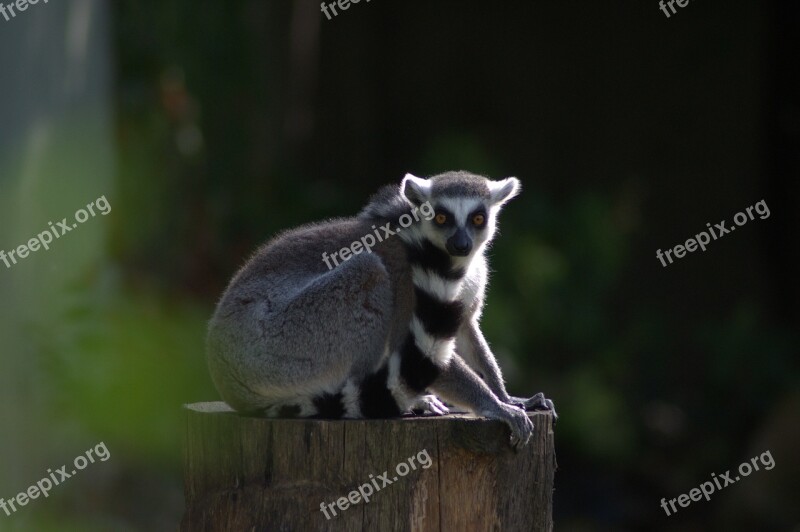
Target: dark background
[210, 126]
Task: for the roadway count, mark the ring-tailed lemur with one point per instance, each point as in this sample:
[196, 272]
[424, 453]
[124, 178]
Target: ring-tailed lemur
[384, 332]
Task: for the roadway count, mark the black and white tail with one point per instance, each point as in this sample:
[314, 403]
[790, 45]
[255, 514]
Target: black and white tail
[398, 384]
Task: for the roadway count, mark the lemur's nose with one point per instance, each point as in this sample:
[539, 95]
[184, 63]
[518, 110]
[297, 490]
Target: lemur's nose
[459, 244]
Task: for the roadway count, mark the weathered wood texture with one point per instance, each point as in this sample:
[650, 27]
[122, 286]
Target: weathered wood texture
[254, 474]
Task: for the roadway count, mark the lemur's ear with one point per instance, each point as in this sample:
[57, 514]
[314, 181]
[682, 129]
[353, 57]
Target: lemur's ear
[416, 189]
[504, 190]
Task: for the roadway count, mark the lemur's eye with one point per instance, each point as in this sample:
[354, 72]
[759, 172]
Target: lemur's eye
[441, 218]
[478, 219]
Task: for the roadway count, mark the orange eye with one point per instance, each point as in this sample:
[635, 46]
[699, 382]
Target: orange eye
[440, 219]
[478, 219]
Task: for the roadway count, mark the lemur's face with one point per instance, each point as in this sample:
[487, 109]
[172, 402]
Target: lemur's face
[460, 225]
[465, 209]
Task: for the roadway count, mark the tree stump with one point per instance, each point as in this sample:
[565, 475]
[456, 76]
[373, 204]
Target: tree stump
[447, 473]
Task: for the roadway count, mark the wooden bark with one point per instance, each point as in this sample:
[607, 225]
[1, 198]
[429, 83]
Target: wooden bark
[246, 473]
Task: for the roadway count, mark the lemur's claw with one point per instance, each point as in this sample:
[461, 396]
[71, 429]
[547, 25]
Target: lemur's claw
[536, 403]
[519, 423]
[431, 404]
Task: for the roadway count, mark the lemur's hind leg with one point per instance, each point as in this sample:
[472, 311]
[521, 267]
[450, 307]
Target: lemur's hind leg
[330, 329]
[342, 317]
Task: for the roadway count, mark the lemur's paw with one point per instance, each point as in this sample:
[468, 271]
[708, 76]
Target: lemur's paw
[429, 403]
[537, 402]
[517, 420]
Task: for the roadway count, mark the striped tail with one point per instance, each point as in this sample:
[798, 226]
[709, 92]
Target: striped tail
[397, 385]
[370, 398]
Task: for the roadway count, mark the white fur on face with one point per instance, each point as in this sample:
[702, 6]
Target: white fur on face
[460, 207]
[432, 233]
